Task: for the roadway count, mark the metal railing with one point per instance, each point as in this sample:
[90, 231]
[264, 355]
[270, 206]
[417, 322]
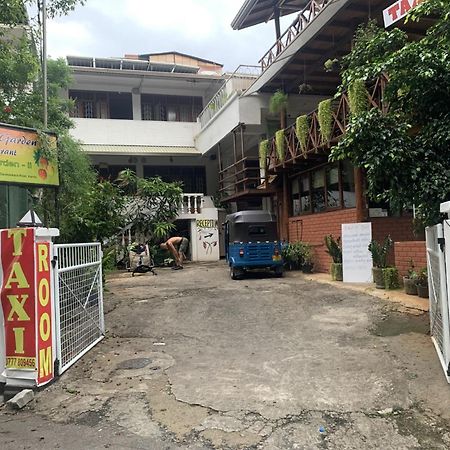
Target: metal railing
[241, 176]
[305, 17]
[239, 81]
[78, 300]
[315, 144]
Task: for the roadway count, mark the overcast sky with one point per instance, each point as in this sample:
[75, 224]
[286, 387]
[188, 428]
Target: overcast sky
[104, 28]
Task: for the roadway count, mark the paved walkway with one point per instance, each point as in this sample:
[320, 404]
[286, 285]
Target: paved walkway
[194, 360]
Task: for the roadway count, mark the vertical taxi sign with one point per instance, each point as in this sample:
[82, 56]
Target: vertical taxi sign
[44, 314]
[17, 297]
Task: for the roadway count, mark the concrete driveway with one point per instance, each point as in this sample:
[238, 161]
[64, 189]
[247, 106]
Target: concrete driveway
[194, 360]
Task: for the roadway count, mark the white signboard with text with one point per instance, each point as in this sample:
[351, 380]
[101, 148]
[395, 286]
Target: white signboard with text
[398, 10]
[356, 258]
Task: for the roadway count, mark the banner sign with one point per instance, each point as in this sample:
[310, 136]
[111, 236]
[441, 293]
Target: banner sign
[23, 160]
[356, 258]
[18, 297]
[44, 314]
[398, 10]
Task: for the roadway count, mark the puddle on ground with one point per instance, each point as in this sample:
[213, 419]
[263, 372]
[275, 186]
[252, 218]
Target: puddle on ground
[396, 323]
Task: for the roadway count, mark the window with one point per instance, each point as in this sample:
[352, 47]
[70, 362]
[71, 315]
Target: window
[318, 190]
[192, 177]
[171, 108]
[326, 188]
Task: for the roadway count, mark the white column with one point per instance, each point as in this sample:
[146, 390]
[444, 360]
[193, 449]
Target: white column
[136, 100]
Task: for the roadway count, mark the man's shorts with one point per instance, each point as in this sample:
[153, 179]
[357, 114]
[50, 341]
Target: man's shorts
[183, 245]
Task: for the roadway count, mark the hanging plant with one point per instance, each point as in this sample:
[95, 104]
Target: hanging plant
[278, 102]
[302, 131]
[280, 144]
[263, 148]
[358, 97]
[325, 116]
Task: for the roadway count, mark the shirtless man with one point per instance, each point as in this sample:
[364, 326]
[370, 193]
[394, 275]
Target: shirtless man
[177, 246]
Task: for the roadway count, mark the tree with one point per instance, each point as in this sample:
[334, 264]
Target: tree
[405, 153]
[151, 205]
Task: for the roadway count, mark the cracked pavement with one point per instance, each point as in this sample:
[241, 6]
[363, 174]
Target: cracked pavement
[194, 360]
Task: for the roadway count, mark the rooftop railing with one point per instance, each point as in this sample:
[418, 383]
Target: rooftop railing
[240, 80]
[304, 18]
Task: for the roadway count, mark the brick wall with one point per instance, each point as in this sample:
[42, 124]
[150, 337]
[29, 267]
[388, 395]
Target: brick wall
[314, 227]
[399, 228]
[407, 251]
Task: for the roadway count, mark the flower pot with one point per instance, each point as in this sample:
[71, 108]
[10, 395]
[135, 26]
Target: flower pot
[422, 291]
[378, 277]
[410, 286]
[307, 267]
[336, 271]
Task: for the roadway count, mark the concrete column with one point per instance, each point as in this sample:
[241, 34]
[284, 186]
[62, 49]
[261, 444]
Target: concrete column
[136, 101]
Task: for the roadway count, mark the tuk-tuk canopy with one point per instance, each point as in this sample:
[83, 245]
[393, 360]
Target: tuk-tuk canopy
[251, 226]
[251, 216]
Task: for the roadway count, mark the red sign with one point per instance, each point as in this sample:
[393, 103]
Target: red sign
[18, 297]
[44, 313]
[398, 10]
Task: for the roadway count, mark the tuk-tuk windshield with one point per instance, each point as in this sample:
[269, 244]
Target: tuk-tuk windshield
[244, 232]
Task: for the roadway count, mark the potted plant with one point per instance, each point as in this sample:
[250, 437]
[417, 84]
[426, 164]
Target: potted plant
[422, 283]
[308, 264]
[278, 105]
[335, 251]
[379, 254]
[390, 277]
[410, 280]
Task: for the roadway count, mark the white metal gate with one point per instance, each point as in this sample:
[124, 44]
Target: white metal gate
[78, 301]
[437, 282]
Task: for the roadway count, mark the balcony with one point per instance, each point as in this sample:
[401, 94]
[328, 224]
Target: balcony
[315, 148]
[191, 205]
[243, 178]
[237, 83]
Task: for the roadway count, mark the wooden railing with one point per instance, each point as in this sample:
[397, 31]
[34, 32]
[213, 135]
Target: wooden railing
[242, 176]
[305, 17]
[314, 144]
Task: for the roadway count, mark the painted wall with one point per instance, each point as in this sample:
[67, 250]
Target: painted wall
[238, 109]
[135, 132]
[205, 236]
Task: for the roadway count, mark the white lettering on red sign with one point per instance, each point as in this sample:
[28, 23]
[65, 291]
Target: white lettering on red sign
[398, 10]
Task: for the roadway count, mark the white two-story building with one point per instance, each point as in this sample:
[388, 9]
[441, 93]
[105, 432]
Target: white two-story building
[140, 112]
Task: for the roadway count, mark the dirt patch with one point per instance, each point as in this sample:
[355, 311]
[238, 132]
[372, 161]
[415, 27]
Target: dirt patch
[395, 324]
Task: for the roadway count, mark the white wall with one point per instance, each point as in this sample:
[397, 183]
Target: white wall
[238, 109]
[205, 236]
[135, 132]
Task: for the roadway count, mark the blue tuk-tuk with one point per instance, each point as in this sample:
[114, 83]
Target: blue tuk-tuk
[251, 242]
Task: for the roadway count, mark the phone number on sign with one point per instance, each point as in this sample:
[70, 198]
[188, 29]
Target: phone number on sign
[20, 363]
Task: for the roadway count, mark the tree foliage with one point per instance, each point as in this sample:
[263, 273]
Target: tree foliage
[406, 153]
[151, 205]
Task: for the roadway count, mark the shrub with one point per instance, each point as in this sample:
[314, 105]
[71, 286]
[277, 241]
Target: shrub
[390, 276]
[334, 248]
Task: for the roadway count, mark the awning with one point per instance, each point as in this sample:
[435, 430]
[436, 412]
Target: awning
[99, 149]
[253, 12]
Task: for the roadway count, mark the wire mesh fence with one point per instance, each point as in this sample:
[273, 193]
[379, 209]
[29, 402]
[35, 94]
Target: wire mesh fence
[79, 300]
[439, 312]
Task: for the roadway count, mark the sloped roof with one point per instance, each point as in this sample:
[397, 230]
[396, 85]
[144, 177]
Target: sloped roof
[253, 12]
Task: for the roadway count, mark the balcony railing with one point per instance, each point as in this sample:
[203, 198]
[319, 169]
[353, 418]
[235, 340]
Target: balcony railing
[314, 144]
[242, 176]
[240, 80]
[305, 17]
[191, 204]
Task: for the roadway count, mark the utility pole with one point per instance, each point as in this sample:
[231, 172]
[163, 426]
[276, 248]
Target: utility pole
[44, 59]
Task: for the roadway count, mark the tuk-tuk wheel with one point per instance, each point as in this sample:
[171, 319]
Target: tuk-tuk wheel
[279, 272]
[235, 274]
